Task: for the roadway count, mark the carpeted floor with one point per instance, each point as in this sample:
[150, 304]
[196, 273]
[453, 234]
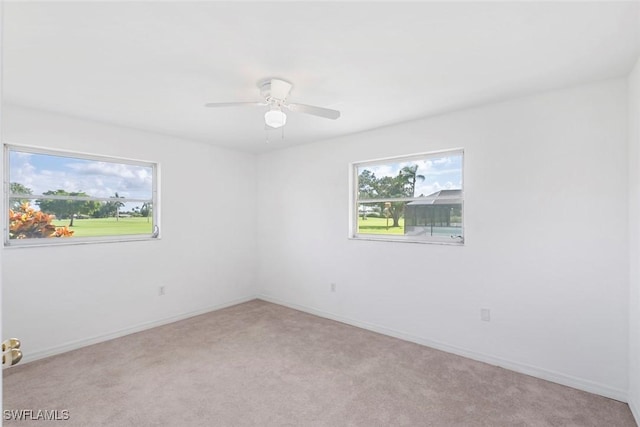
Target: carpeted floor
[260, 364]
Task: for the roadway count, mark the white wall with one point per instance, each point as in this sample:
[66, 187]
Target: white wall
[546, 237]
[634, 241]
[56, 298]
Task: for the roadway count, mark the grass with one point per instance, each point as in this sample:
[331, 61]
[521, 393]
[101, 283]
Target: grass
[373, 225]
[92, 227]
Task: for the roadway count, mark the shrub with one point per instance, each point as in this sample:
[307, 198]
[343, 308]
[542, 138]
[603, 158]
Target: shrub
[27, 223]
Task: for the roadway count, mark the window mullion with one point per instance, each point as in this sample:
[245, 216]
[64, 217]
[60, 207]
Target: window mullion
[404, 199]
[76, 198]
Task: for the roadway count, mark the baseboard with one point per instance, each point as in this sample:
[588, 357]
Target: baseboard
[555, 377]
[578, 383]
[634, 409]
[73, 345]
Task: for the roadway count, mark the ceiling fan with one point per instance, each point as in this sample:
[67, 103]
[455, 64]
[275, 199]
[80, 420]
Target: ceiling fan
[275, 93]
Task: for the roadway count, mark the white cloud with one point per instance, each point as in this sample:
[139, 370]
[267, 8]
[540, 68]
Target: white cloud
[98, 179]
[446, 161]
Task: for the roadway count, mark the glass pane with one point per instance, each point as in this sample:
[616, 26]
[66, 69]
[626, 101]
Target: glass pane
[38, 174]
[381, 218]
[46, 218]
[410, 178]
[47, 174]
[426, 219]
[416, 219]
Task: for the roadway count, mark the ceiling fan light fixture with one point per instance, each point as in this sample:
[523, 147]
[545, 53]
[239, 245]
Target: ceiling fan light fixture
[275, 118]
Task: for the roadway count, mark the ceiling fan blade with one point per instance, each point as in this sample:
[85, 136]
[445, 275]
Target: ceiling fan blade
[235, 104]
[316, 111]
[280, 89]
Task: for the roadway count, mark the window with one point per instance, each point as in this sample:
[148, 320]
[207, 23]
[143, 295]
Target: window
[417, 198]
[54, 197]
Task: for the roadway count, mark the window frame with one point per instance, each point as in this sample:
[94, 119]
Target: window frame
[354, 199]
[22, 243]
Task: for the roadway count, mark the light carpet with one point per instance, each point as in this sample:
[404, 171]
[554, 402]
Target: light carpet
[261, 364]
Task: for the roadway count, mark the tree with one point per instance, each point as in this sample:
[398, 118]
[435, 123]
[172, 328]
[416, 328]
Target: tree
[409, 174]
[17, 188]
[387, 187]
[390, 187]
[366, 188]
[145, 211]
[67, 208]
[105, 210]
[367, 184]
[117, 204]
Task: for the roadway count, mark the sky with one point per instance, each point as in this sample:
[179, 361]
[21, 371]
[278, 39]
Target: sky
[441, 173]
[42, 172]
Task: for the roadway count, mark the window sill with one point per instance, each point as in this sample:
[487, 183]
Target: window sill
[39, 243]
[450, 242]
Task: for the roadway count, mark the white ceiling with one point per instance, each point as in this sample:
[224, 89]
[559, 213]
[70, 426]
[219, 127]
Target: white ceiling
[152, 65]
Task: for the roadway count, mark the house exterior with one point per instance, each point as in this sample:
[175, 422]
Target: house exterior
[437, 213]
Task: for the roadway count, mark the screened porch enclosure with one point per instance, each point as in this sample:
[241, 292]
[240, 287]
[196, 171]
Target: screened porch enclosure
[438, 214]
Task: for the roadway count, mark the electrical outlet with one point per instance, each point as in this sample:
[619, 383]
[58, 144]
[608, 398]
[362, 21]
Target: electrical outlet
[485, 314]
[161, 290]
[333, 287]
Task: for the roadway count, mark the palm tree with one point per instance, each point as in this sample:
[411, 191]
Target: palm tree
[146, 210]
[117, 205]
[409, 175]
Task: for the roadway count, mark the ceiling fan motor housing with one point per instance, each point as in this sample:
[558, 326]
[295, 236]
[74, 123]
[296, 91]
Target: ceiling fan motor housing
[265, 89]
[272, 95]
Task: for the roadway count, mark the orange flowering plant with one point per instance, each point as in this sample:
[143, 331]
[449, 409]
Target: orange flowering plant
[27, 223]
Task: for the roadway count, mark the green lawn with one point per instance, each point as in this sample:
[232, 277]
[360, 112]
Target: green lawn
[373, 225]
[107, 226]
